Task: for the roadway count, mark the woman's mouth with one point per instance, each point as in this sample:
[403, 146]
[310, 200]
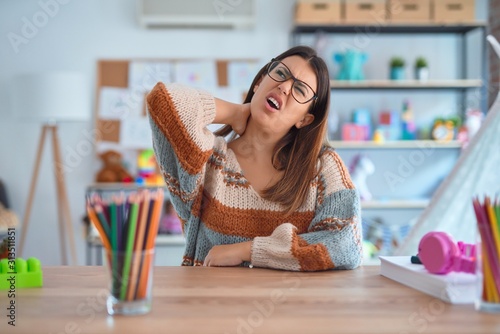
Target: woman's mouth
[274, 102]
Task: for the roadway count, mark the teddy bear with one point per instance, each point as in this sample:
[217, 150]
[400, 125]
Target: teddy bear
[112, 170]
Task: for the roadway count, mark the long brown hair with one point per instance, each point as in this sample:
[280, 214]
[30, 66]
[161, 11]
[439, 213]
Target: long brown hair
[297, 152]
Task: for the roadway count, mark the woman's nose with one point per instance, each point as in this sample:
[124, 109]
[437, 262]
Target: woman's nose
[286, 86]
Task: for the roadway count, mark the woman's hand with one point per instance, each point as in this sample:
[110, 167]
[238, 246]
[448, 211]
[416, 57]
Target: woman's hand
[228, 255]
[239, 123]
[233, 114]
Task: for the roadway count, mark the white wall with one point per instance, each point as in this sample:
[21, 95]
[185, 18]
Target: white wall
[84, 31]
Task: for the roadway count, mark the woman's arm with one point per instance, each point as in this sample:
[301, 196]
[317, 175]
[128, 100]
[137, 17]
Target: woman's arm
[232, 114]
[333, 239]
[179, 116]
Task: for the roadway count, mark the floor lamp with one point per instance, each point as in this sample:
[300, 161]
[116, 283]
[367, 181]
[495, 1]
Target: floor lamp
[51, 99]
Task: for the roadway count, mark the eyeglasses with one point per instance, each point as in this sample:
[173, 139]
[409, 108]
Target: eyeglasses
[301, 92]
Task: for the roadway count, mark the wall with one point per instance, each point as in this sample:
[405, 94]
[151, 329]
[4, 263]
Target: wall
[83, 31]
[80, 33]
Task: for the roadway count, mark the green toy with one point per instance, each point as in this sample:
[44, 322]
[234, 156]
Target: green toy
[20, 273]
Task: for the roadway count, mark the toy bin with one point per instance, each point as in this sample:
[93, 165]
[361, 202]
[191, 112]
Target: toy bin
[365, 11]
[409, 11]
[318, 12]
[448, 11]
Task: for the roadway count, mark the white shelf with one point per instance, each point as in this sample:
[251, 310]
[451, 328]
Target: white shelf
[395, 204]
[406, 84]
[397, 144]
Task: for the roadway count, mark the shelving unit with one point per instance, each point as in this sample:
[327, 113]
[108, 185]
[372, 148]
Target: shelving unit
[372, 29]
[392, 28]
[391, 154]
[395, 204]
[406, 84]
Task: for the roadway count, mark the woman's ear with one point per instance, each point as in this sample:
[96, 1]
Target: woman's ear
[308, 119]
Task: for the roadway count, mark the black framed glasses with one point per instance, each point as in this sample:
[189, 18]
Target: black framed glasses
[301, 92]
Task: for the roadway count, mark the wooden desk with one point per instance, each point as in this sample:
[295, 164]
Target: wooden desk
[242, 300]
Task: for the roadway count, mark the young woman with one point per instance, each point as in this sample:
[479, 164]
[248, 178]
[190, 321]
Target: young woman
[275, 195]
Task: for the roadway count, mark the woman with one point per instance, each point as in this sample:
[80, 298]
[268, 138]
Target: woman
[275, 195]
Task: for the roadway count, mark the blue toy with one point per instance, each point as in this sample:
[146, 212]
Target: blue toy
[351, 65]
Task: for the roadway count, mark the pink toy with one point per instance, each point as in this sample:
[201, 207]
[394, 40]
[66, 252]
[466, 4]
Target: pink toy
[354, 132]
[440, 254]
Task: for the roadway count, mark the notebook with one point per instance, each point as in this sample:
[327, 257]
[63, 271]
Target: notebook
[454, 288]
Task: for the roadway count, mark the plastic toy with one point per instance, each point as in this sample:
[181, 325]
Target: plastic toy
[440, 254]
[22, 274]
[362, 117]
[353, 132]
[170, 223]
[351, 65]
[361, 167]
[408, 128]
[473, 121]
[443, 129]
[146, 168]
[390, 125]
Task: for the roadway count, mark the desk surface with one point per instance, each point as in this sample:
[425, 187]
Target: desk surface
[242, 300]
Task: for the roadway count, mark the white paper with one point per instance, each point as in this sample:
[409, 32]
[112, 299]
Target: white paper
[241, 74]
[143, 76]
[119, 103]
[136, 133]
[199, 74]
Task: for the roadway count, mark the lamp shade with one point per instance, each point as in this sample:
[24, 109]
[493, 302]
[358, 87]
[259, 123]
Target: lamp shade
[51, 97]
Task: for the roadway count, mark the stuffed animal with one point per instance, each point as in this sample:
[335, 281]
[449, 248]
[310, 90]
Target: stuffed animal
[113, 170]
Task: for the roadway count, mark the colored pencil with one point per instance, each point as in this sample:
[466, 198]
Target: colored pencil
[129, 247]
[139, 240]
[150, 242]
[128, 226]
[488, 230]
[99, 226]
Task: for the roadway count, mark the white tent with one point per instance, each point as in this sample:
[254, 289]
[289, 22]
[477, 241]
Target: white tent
[476, 173]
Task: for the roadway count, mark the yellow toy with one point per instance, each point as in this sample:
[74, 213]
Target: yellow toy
[147, 169]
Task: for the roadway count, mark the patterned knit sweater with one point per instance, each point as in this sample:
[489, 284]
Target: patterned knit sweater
[217, 205]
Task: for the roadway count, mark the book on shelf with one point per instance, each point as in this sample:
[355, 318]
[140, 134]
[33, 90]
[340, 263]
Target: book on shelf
[454, 287]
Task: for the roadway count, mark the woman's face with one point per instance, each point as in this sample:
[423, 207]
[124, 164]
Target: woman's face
[274, 105]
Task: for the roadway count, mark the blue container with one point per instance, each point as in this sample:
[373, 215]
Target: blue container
[397, 73]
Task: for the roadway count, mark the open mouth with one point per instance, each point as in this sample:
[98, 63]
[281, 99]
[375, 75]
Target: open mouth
[273, 103]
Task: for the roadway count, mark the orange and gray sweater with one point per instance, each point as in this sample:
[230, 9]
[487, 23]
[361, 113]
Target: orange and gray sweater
[217, 205]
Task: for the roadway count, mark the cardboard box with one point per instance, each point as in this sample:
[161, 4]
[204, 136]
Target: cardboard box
[318, 12]
[365, 11]
[410, 11]
[446, 11]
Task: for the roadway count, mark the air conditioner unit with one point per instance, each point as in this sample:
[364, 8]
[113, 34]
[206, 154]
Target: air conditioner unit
[196, 13]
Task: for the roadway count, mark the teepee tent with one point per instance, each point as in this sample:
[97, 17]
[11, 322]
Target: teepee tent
[476, 173]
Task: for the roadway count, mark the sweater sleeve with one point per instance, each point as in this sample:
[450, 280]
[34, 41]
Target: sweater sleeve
[179, 116]
[333, 238]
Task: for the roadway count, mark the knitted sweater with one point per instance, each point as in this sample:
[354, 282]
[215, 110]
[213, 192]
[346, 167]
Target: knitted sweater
[217, 205]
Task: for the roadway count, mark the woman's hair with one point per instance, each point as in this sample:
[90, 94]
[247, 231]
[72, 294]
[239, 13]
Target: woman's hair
[297, 152]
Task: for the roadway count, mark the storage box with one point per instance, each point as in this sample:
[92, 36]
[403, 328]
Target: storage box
[318, 12]
[454, 11]
[410, 11]
[365, 11]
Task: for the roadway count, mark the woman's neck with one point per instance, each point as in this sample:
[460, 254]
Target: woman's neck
[255, 144]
